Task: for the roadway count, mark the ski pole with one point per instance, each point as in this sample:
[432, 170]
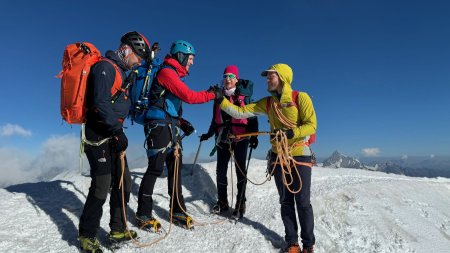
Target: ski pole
[248, 160]
[246, 171]
[195, 159]
[245, 182]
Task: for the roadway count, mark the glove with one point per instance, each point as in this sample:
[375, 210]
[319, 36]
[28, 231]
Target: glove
[289, 132]
[253, 142]
[204, 137]
[120, 142]
[217, 92]
[186, 127]
[212, 88]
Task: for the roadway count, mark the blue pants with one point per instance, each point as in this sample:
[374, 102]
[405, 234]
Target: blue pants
[300, 201]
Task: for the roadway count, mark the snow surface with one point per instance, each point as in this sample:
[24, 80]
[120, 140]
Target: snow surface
[355, 211]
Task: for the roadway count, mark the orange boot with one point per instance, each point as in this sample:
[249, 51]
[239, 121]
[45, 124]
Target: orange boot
[293, 248]
[309, 249]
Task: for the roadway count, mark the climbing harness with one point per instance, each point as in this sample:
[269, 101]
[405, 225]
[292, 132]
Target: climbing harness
[85, 141]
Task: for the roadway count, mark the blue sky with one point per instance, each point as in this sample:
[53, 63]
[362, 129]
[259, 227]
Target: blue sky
[377, 71]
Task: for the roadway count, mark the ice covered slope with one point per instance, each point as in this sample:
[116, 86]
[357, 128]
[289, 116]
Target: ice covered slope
[355, 211]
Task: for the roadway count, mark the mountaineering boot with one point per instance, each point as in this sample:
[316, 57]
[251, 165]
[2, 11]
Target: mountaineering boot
[121, 236]
[309, 249]
[183, 220]
[239, 211]
[89, 245]
[148, 223]
[293, 248]
[118, 238]
[220, 207]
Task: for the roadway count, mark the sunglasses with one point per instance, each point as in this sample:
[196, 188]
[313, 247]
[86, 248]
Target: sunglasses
[231, 76]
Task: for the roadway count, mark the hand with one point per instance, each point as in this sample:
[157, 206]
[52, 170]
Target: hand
[120, 141]
[212, 88]
[289, 132]
[186, 127]
[204, 137]
[218, 93]
[253, 142]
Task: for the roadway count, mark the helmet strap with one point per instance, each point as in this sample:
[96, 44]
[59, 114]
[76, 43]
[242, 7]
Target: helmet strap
[185, 60]
[182, 58]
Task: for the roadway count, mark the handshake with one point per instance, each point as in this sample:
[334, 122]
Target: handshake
[217, 91]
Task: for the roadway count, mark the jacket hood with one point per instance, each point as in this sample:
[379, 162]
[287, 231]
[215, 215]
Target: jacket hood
[182, 72]
[286, 76]
[283, 70]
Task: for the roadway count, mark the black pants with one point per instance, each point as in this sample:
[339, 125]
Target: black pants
[223, 158]
[106, 171]
[300, 201]
[160, 137]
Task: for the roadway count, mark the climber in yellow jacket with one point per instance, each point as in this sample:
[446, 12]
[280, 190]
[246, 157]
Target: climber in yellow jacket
[291, 113]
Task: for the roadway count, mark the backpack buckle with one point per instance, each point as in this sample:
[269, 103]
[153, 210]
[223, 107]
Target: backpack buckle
[84, 48]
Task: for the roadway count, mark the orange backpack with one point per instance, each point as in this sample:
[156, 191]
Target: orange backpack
[77, 62]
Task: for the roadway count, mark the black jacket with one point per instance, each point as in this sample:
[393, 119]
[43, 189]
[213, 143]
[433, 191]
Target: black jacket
[102, 115]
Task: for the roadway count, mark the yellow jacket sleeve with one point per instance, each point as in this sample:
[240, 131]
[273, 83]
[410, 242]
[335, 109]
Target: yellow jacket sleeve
[243, 112]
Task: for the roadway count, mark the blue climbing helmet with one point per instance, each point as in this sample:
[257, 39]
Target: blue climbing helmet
[182, 46]
[180, 51]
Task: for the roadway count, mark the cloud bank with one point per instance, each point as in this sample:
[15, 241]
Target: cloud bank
[370, 152]
[59, 153]
[12, 129]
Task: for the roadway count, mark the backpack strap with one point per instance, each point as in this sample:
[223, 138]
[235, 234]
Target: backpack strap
[117, 86]
[164, 66]
[163, 93]
[312, 137]
[268, 101]
[295, 98]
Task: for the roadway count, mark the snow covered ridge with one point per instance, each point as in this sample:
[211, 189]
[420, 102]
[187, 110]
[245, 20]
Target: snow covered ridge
[413, 166]
[355, 211]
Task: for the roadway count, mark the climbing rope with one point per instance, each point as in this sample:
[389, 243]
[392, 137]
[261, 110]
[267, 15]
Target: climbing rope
[124, 214]
[176, 168]
[287, 163]
[176, 153]
[83, 141]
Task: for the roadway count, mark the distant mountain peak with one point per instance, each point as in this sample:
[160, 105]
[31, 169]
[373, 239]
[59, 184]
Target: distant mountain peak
[338, 160]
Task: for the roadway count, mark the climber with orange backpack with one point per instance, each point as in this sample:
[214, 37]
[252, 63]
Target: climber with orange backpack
[293, 123]
[93, 92]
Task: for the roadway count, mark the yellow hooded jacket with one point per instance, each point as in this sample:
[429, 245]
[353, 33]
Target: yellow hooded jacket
[305, 116]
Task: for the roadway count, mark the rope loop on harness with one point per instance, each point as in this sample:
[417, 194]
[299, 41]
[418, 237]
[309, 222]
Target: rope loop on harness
[85, 141]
